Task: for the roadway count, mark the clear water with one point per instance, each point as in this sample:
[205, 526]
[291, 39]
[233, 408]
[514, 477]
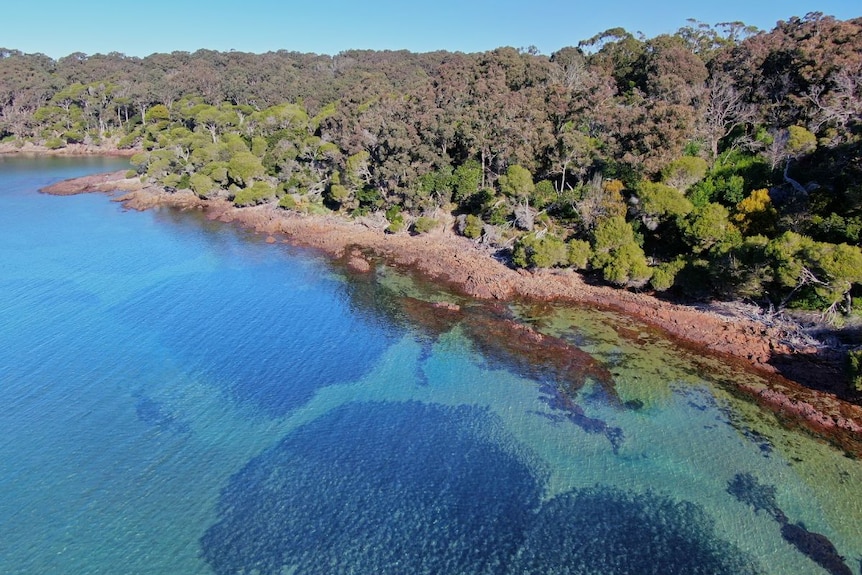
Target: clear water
[179, 396]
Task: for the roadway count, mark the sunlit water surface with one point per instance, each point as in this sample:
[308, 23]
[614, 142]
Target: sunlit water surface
[179, 396]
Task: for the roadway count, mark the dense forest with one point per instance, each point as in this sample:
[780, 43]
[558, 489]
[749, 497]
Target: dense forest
[719, 161]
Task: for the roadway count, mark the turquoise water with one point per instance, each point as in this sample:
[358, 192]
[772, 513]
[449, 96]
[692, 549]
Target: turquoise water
[179, 396]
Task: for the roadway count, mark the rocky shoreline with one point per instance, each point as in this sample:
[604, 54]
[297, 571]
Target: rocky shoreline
[804, 377]
[67, 150]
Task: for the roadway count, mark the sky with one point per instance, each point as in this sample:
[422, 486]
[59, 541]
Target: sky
[60, 27]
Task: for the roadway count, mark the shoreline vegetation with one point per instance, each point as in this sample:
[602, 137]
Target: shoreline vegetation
[720, 163]
[801, 372]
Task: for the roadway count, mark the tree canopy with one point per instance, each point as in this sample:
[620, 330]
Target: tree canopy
[645, 161]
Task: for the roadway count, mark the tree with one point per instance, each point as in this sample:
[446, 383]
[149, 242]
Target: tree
[684, 172]
[541, 251]
[158, 113]
[244, 167]
[837, 108]
[465, 180]
[756, 213]
[257, 193]
[215, 120]
[706, 41]
[469, 225]
[579, 253]
[517, 183]
[424, 224]
[664, 274]
[202, 184]
[601, 200]
[617, 254]
[854, 369]
[789, 144]
[660, 202]
[830, 271]
[707, 227]
[726, 109]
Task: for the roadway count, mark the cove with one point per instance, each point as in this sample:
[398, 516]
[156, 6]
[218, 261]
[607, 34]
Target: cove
[179, 396]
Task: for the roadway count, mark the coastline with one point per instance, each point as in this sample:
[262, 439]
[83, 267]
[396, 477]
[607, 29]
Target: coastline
[68, 150]
[802, 377]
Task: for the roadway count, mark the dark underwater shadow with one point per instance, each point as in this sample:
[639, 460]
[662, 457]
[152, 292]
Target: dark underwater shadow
[394, 488]
[379, 488]
[747, 489]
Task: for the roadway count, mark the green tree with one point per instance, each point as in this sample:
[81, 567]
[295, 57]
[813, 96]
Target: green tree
[424, 224]
[472, 226]
[828, 270]
[617, 253]
[158, 113]
[579, 253]
[541, 251]
[465, 181]
[258, 193]
[395, 219]
[799, 142]
[660, 202]
[707, 227]
[684, 172]
[517, 183]
[202, 184]
[357, 172]
[244, 167]
[664, 274]
[854, 369]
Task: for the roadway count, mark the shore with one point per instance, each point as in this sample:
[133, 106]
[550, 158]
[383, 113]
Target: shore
[67, 150]
[804, 378]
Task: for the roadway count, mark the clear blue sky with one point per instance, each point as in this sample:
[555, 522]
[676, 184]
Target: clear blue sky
[58, 28]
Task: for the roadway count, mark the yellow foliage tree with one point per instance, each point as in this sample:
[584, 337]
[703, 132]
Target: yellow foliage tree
[756, 214]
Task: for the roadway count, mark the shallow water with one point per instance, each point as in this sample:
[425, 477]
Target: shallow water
[179, 396]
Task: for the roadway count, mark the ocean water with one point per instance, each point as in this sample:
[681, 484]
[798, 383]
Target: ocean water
[179, 396]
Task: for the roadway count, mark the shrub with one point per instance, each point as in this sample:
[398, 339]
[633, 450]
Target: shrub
[664, 274]
[473, 227]
[55, 143]
[202, 185]
[424, 225]
[256, 194]
[396, 225]
[579, 254]
[396, 220]
[545, 252]
[129, 140]
[171, 180]
[854, 367]
[287, 202]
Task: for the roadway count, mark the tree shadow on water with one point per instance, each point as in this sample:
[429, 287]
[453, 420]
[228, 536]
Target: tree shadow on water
[426, 489]
[379, 488]
[747, 489]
